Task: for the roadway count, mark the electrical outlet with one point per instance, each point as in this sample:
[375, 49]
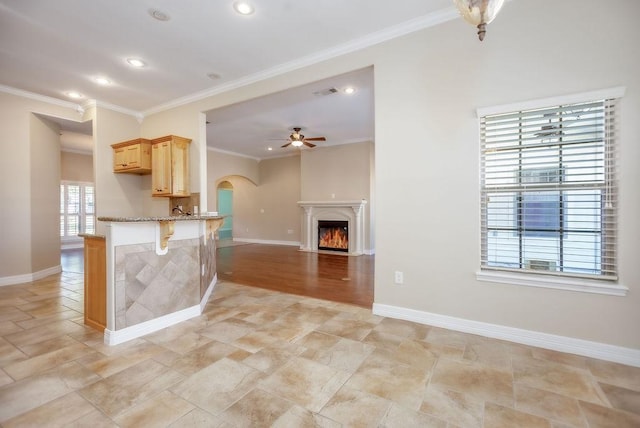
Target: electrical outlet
[398, 277]
[290, 231]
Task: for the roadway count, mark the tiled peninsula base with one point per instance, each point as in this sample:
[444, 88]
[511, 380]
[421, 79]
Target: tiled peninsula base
[158, 274]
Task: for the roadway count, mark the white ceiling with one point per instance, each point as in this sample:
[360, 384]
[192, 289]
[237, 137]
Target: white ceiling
[50, 47]
[251, 127]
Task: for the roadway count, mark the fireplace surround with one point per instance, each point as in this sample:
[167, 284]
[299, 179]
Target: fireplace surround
[350, 211]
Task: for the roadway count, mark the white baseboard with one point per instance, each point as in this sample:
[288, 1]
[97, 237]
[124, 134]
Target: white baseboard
[30, 277]
[602, 351]
[72, 245]
[207, 293]
[115, 337]
[267, 241]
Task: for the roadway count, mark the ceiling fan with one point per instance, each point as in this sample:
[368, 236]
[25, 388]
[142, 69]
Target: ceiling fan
[297, 139]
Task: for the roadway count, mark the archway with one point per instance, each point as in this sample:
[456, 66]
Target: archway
[225, 208]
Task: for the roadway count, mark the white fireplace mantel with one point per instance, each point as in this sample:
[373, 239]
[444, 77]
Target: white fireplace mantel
[350, 211]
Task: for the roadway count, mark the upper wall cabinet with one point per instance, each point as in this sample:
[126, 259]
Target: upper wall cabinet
[133, 156]
[170, 166]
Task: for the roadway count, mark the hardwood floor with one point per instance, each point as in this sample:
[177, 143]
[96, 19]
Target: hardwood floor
[72, 260]
[339, 278]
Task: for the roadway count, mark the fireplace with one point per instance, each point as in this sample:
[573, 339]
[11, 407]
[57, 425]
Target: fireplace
[348, 213]
[333, 235]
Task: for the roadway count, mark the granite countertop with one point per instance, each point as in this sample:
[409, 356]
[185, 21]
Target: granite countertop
[161, 218]
[91, 235]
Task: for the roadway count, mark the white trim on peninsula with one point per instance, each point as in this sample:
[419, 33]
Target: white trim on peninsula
[603, 351]
[115, 337]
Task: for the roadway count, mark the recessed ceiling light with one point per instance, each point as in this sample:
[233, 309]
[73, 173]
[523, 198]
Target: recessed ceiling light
[135, 62]
[159, 15]
[269, 148]
[243, 8]
[349, 90]
[74, 94]
[101, 80]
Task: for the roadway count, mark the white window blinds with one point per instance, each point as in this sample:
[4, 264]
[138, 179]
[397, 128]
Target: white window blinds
[77, 213]
[548, 190]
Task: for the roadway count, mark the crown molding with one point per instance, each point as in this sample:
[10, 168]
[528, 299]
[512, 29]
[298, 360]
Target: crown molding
[228, 152]
[79, 108]
[242, 155]
[377, 37]
[41, 98]
[95, 103]
[389, 33]
[77, 151]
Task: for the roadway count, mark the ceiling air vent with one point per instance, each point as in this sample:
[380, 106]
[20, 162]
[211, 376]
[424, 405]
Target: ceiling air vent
[323, 92]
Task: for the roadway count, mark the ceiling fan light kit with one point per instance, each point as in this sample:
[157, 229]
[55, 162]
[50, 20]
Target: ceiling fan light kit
[479, 13]
[296, 139]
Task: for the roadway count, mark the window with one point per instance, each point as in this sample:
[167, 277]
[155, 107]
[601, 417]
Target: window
[548, 190]
[77, 213]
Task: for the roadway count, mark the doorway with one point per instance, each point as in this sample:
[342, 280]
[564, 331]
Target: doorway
[225, 208]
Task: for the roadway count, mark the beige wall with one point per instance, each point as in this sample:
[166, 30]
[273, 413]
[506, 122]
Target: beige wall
[275, 210]
[340, 173]
[117, 195]
[427, 88]
[21, 170]
[222, 165]
[266, 211]
[245, 193]
[76, 167]
[344, 171]
[44, 138]
[336, 172]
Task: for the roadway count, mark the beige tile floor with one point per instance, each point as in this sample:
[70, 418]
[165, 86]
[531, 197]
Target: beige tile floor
[261, 358]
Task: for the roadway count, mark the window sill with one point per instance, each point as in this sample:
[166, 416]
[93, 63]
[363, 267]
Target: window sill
[554, 282]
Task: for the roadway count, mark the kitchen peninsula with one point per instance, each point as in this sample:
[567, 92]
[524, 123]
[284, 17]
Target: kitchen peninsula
[159, 271]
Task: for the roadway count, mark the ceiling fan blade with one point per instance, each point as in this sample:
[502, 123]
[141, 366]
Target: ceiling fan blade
[316, 139]
[286, 145]
[310, 145]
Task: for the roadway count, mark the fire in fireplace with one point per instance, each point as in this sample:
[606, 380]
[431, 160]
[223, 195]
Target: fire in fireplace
[333, 235]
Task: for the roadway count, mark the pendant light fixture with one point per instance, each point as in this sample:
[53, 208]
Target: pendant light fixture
[479, 12]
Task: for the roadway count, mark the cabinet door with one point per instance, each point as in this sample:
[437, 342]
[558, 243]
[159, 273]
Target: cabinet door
[132, 156]
[161, 169]
[119, 159]
[180, 168]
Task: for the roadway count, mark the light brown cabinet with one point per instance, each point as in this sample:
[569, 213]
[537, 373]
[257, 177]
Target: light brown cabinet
[95, 282]
[170, 166]
[133, 156]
